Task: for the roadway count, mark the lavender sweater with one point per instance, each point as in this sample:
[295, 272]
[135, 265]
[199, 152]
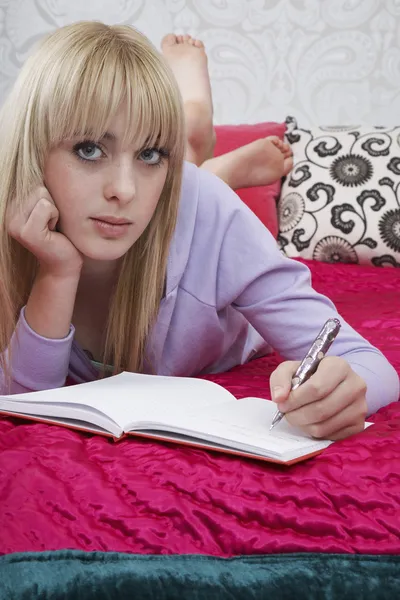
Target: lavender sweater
[230, 296]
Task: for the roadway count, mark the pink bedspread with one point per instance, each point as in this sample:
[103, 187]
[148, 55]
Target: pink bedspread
[62, 489]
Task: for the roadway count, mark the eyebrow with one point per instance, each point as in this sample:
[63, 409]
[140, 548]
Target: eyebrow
[89, 134]
[111, 137]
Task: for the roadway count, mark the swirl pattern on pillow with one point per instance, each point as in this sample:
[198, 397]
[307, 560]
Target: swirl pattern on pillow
[341, 202]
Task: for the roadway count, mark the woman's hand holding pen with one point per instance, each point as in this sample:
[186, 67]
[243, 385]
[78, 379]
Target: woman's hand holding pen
[331, 404]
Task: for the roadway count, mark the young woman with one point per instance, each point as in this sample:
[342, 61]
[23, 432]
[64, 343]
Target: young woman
[114, 252]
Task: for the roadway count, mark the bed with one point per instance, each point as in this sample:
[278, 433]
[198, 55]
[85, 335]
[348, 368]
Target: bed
[80, 510]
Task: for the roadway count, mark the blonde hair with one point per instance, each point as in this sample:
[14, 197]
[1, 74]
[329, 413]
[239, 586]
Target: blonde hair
[75, 83]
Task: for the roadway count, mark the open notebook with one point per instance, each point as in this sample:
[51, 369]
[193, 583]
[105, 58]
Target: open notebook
[179, 409]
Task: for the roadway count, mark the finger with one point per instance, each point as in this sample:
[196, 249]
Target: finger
[39, 193]
[331, 371]
[347, 431]
[280, 381]
[52, 225]
[40, 218]
[18, 213]
[322, 410]
[352, 418]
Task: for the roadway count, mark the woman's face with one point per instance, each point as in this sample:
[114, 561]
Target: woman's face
[106, 192]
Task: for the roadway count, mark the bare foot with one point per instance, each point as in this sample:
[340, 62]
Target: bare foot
[187, 58]
[286, 150]
[259, 163]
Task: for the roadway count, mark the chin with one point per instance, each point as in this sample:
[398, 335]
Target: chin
[109, 253]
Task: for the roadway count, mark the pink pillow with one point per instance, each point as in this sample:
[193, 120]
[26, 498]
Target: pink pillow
[261, 200]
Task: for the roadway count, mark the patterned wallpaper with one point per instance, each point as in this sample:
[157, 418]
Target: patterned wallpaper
[323, 61]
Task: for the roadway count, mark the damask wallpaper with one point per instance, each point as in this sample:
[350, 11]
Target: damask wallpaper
[322, 61]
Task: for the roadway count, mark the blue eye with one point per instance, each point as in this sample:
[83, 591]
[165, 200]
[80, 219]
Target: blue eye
[153, 156]
[88, 151]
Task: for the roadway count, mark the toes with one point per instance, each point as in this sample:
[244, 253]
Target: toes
[195, 43]
[273, 138]
[287, 150]
[287, 165]
[282, 146]
[169, 40]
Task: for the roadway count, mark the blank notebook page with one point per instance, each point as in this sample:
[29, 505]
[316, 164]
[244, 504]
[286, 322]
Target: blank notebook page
[130, 397]
[248, 421]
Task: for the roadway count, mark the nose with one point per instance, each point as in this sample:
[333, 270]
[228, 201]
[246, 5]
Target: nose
[121, 182]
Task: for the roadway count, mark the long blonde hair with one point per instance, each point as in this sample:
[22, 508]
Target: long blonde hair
[75, 83]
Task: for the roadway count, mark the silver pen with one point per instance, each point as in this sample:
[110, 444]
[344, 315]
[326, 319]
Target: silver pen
[310, 362]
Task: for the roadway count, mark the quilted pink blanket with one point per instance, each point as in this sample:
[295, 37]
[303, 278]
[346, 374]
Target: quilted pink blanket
[62, 489]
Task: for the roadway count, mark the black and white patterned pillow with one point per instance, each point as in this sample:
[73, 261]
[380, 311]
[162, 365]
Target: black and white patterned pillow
[341, 201]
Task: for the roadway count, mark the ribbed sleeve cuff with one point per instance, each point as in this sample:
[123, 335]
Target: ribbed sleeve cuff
[39, 363]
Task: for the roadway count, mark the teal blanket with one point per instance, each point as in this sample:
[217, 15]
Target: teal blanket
[76, 575]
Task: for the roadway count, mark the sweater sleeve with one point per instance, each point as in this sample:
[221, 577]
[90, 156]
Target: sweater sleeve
[36, 363]
[275, 295]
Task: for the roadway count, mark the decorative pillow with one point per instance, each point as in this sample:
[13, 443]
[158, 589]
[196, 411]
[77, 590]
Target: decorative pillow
[261, 200]
[341, 201]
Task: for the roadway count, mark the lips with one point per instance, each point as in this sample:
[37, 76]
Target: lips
[112, 220]
[110, 227]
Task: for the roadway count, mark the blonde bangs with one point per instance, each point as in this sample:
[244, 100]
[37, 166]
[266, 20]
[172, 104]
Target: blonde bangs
[116, 71]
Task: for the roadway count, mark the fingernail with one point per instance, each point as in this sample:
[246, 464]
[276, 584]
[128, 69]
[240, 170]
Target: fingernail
[277, 393]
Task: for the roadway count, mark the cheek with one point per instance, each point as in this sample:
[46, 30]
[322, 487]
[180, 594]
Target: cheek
[154, 190]
[65, 187]
[56, 176]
